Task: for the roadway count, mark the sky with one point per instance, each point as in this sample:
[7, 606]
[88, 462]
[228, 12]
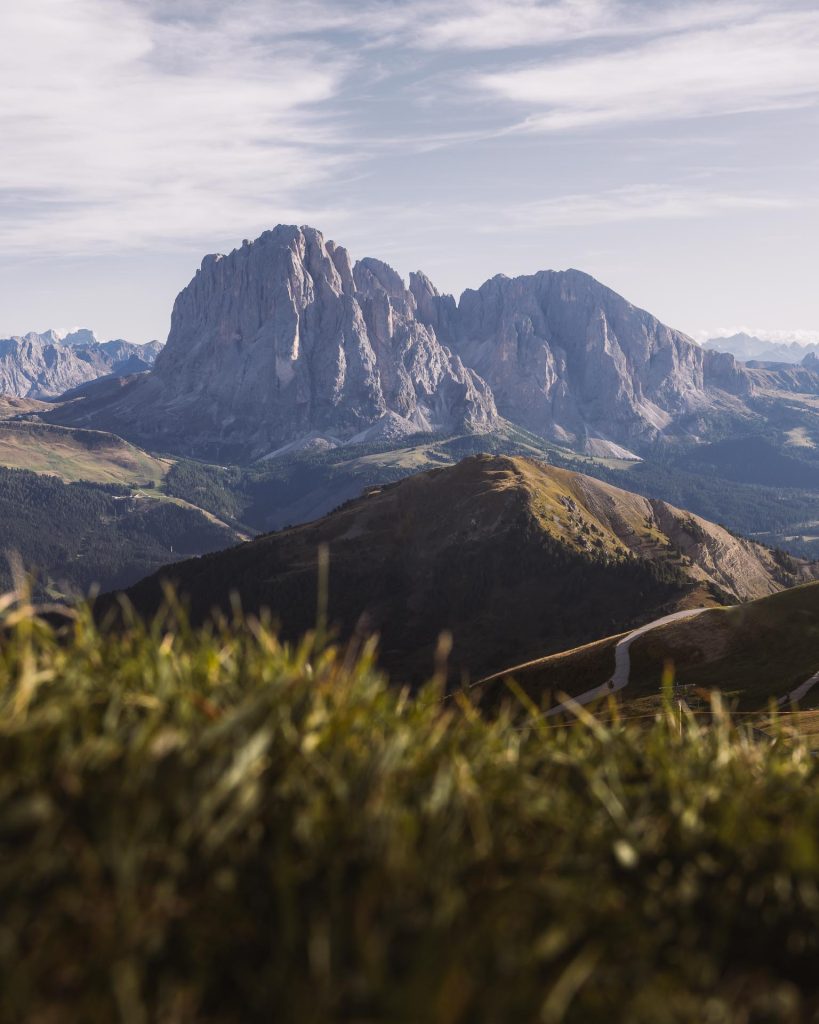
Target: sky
[669, 147]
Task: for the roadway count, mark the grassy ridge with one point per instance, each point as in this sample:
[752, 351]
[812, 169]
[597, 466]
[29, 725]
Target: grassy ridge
[77, 455]
[494, 550]
[208, 826]
[756, 651]
[299, 487]
[753, 653]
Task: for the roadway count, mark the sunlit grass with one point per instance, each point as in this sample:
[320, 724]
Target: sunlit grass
[209, 826]
[78, 455]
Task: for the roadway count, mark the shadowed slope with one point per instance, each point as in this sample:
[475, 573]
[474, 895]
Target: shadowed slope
[764, 650]
[514, 557]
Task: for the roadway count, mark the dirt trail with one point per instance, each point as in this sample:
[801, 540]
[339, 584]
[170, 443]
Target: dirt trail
[801, 691]
[622, 668]
[622, 662]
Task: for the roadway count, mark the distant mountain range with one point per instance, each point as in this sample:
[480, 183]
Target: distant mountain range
[287, 344]
[747, 348]
[49, 365]
[516, 558]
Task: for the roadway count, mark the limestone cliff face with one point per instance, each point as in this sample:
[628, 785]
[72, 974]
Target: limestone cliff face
[285, 341]
[569, 358]
[421, 378]
[285, 337]
[47, 365]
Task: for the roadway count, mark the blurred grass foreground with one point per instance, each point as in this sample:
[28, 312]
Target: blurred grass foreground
[209, 826]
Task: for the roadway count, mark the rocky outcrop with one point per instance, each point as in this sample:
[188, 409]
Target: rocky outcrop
[426, 381]
[568, 358]
[284, 338]
[48, 365]
[81, 336]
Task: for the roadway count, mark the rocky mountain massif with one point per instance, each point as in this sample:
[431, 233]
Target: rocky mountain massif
[48, 365]
[285, 340]
[286, 343]
[570, 359]
[514, 557]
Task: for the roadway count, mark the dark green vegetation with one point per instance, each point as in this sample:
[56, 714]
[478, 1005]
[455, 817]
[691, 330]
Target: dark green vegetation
[73, 536]
[755, 460]
[515, 558]
[773, 492]
[297, 488]
[770, 513]
[207, 826]
[714, 485]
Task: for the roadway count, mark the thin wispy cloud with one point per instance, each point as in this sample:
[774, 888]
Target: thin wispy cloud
[406, 127]
[635, 203]
[647, 201]
[502, 24]
[766, 63]
[125, 127]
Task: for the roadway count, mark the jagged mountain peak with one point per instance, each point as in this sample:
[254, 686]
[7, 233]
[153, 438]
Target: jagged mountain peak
[285, 336]
[50, 364]
[80, 336]
[369, 272]
[288, 335]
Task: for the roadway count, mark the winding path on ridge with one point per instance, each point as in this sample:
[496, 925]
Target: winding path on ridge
[796, 695]
[622, 662]
[622, 668]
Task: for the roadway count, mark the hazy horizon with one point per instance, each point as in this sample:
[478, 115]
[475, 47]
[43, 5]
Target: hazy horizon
[668, 148]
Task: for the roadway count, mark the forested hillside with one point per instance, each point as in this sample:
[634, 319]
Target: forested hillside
[75, 536]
